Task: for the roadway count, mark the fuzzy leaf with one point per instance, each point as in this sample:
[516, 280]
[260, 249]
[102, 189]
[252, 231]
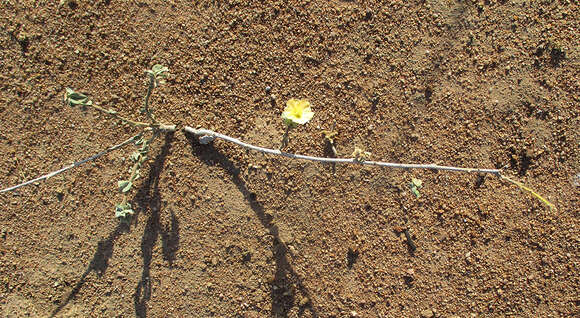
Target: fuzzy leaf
[135, 176]
[415, 191]
[159, 69]
[73, 98]
[124, 185]
[124, 212]
[417, 182]
[135, 156]
[415, 185]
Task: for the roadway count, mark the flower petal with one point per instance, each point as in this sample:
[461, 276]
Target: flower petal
[297, 111]
[307, 115]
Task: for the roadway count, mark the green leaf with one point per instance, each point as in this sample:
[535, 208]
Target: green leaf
[415, 191]
[124, 185]
[417, 182]
[72, 98]
[135, 156]
[415, 185]
[124, 212]
[144, 149]
[119, 211]
[135, 176]
[159, 69]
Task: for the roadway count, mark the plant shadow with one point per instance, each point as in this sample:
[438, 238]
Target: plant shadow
[282, 291]
[149, 199]
[98, 264]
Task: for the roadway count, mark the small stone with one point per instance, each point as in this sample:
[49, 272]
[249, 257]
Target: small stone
[354, 314]
[304, 301]
[427, 313]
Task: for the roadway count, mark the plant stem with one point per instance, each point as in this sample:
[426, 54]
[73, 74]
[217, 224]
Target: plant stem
[142, 159]
[213, 134]
[147, 98]
[74, 165]
[532, 192]
[114, 114]
[285, 137]
[157, 125]
[205, 136]
[164, 128]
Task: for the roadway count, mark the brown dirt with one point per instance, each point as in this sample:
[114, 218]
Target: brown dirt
[229, 233]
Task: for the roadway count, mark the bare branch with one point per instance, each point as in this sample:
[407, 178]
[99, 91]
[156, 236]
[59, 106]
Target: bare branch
[74, 165]
[207, 136]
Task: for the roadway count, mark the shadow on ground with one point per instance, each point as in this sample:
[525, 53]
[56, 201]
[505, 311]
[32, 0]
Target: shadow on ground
[283, 296]
[98, 264]
[148, 199]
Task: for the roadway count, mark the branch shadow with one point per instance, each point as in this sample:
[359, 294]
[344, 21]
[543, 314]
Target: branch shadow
[148, 199]
[169, 236]
[282, 291]
[98, 264]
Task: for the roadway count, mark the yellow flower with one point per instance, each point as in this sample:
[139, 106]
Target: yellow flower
[297, 112]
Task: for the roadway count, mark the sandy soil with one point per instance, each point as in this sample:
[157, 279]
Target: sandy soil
[224, 232]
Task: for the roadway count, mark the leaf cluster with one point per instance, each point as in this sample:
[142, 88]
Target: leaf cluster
[73, 99]
[138, 158]
[124, 212]
[157, 76]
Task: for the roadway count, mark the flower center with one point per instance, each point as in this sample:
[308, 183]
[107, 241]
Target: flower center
[297, 112]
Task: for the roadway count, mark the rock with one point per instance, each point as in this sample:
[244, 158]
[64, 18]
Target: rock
[303, 301]
[427, 313]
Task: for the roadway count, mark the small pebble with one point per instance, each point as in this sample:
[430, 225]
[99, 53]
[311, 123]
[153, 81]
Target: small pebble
[576, 180]
[427, 313]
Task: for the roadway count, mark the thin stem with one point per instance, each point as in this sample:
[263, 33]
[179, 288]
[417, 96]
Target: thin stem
[205, 136]
[284, 142]
[157, 125]
[532, 192]
[147, 98]
[142, 159]
[74, 165]
[116, 115]
[205, 133]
